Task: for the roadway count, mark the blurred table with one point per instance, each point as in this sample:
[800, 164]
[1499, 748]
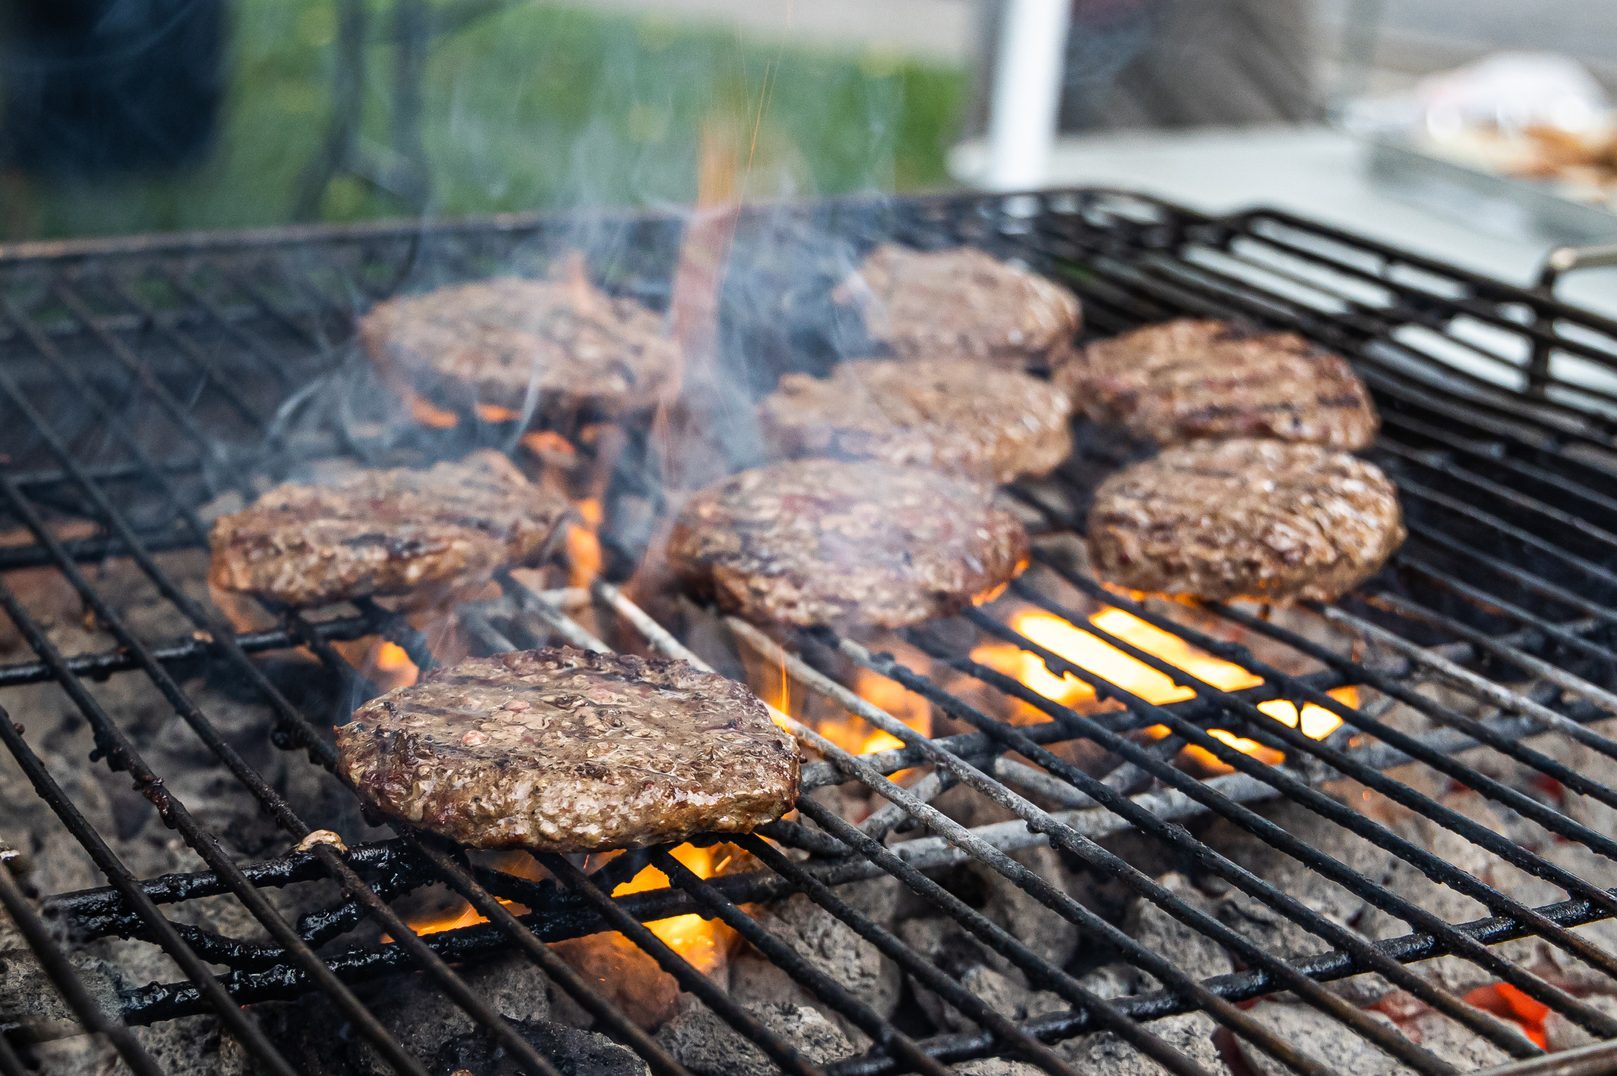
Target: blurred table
[1315, 171]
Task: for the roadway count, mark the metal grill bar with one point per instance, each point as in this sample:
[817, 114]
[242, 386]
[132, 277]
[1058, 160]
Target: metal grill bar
[373, 904]
[1164, 262]
[962, 838]
[66, 979]
[123, 754]
[1349, 819]
[1101, 793]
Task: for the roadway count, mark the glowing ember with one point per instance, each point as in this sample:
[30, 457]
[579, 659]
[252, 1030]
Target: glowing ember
[1509, 1003]
[584, 543]
[428, 415]
[495, 413]
[1107, 662]
[549, 443]
[703, 943]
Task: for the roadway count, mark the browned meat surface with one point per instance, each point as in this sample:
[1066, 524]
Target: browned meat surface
[957, 416]
[526, 345]
[827, 542]
[1187, 379]
[1261, 519]
[385, 532]
[962, 302]
[568, 751]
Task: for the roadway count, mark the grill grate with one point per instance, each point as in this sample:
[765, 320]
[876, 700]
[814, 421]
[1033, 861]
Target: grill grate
[142, 380]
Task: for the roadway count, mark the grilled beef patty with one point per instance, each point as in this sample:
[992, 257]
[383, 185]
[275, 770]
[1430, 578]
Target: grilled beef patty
[385, 532]
[827, 542]
[567, 751]
[526, 345]
[1244, 518]
[952, 415]
[1187, 379]
[962, 302]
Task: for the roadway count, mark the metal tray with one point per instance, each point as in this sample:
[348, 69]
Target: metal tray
[1506, 202]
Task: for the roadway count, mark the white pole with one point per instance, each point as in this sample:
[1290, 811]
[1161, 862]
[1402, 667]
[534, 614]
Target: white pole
[1026, 92]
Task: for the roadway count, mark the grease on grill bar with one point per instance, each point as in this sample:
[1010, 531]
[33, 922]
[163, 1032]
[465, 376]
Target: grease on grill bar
[1073, 828]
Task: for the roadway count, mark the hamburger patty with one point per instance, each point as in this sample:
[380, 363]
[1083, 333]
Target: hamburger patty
[1187, 379]
[962, 302]
[385, 532]
[520, 344]
[952, 415]
[567, 751]
[827, 542]
[1244, 518]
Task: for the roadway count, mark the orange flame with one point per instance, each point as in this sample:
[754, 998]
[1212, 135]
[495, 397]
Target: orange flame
[517, 863]
[1090, 652]
[495, 413]
[468, 916]
[543, 443]
[857, 736]
[384, 662]
[395, 664]
[429, 415]
[584, 543]
[1509, 1003]
[706, 945]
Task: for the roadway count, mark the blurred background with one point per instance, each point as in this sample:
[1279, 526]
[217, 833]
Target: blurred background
[140, 115]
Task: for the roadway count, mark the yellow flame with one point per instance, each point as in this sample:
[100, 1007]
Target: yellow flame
[1090, 652]
[856, 736]
[700, 941]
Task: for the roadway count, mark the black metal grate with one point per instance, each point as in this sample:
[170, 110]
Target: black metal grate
[142, 380]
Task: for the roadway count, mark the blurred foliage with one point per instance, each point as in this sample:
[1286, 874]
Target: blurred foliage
[530, 105]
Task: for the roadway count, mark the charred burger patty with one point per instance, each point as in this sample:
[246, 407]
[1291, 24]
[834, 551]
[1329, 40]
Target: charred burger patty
[568, 751]
[1190, 379]
[379, 532]
[828, 542]
[953, 415]
[962, 302]
[1243, 518]
[525, 345]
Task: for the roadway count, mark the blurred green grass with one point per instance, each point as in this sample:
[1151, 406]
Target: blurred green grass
[532, 105]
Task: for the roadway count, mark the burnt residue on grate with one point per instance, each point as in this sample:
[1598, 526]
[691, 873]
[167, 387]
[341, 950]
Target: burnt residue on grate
[1068, 830]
